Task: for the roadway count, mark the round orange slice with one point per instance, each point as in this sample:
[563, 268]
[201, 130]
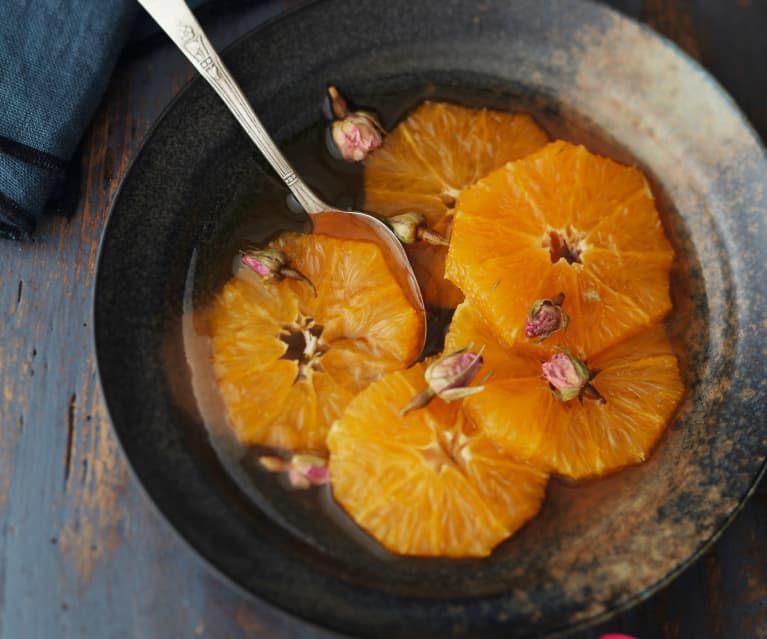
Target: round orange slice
[288, 361]
[428, 159]
[426, 483]
[563, 220]
[638, 379]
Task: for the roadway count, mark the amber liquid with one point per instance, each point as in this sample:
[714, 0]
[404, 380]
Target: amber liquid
[261, 209]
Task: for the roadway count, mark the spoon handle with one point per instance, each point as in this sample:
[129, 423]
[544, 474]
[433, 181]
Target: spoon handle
[175, 18]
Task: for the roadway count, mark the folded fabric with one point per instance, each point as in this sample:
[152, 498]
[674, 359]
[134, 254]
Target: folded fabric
[56, 57]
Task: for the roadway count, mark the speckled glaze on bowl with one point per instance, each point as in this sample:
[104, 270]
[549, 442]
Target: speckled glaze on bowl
[594, 549]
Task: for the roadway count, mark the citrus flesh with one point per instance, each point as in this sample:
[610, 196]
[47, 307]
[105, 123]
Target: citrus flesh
[563, 220]
[287, 361]
[427, 483]
[428, 159]
[324, 369]
[638, 378]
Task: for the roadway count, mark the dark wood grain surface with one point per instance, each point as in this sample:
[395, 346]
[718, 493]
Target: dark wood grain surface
[83, 553]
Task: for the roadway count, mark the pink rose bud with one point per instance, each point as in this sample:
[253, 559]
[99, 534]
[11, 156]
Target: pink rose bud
[453, 372]
[357, 135]
[449, 377]
[546, 317]
[272, 265]
[318, 475]
[616, 635]
[303, 471]
[567, 375]
[311, 468]
[268, 263]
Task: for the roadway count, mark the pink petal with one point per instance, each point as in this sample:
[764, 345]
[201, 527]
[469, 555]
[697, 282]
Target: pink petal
[317, 474]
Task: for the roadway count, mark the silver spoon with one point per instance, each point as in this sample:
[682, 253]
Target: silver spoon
[175, 18]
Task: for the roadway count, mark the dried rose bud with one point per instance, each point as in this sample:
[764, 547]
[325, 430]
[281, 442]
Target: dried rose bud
[357, 135]
[449, 378]
[273, 265]
[567, 375]
[412, 227]
[546, 317]
[406, 226]
[268, 263]
[311, 467]
[303, 470]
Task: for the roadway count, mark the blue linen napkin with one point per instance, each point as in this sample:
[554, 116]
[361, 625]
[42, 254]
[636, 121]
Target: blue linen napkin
[56, 57]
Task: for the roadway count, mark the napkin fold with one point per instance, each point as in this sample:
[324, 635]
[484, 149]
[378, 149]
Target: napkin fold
[56, 57]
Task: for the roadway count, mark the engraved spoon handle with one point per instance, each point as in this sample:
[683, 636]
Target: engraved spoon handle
[175, 18]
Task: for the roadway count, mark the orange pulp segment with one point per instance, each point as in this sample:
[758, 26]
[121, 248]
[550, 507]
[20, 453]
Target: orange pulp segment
[428, 159]
[638, 378]
[286, 361]
[563, 220]
[426, 483]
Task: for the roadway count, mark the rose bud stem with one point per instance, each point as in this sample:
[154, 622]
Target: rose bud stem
[293, 274]
[433, 238]
[589, 392]
[274, 464]
[419, 401]
[337, 103]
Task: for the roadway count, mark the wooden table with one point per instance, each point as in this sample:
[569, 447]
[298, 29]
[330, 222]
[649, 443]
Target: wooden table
[82, 550]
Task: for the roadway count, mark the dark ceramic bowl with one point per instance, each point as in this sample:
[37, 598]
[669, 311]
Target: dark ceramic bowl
[588, 74]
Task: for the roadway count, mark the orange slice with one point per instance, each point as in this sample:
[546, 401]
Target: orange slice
[286, 361]
[638, 378]
[563, 220]
[426, 483]
[428, 159]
